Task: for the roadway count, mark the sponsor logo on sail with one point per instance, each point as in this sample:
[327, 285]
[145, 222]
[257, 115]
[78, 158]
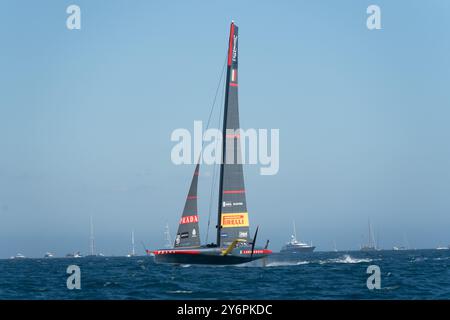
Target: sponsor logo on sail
[243, 234]
[177, 239]
[231, 204]
[184, 235]
[235, 48]
[230, 220]
[194, 233]
[189, 219]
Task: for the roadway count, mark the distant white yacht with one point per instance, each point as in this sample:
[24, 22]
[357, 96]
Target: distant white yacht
[442, 248]
[18, 256]
[405, 246]
[48, 255]
[74, 255]
[295, 246]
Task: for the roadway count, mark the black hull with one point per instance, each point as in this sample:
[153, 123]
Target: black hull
[209, 256]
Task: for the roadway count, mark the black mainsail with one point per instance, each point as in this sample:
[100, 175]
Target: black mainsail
[232, 212]
[233, 244]
[188, 232]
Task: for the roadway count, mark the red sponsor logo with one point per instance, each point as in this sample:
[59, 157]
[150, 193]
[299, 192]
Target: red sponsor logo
[264, 251]
[189, 219]
[158, 252]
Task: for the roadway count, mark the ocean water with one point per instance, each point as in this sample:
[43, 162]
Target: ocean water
[415, 274]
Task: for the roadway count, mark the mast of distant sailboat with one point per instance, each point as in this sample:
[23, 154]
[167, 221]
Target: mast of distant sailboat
[295, 230]
[92, 244]
[132, 243]
[169, 242]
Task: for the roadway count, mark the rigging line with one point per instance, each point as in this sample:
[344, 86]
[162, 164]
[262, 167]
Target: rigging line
[215, 96]
[215, 169]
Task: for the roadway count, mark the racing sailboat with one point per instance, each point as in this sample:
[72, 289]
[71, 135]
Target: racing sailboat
[233, 243]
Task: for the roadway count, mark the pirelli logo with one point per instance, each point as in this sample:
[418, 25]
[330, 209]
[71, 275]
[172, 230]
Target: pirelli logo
[230, 220]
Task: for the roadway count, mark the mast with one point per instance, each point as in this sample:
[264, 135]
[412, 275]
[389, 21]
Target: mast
[91, 238]
[132, 243]
[169, 242]
[232, 215]
[224, 126]
[295, 231]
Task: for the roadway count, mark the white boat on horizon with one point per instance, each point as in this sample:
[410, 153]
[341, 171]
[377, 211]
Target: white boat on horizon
[295, 246]
[74, 255]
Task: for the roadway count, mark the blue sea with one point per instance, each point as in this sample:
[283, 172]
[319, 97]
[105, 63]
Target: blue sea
[414, 274]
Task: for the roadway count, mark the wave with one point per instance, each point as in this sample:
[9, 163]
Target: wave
[180, 291]
[346, 259]
[439, 259]
[419, 259]
[286, 263]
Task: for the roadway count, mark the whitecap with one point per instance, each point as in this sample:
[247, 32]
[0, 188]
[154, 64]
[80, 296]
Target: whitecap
[286, 263]
[347, 259]
[180, 291]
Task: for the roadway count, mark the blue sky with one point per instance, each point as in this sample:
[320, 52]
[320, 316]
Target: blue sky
[86, 118]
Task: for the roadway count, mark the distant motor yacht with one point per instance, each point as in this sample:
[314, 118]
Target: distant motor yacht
[295, 246]
[48, 255]
[18, 256]
[74, 255]
[442, 248]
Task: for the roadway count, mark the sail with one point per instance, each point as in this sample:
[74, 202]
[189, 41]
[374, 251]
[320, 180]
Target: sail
[233, 220]
[188, 233]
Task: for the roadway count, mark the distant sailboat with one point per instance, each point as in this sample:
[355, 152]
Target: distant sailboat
[234, 244]
[169, 241]
[370, 246]
[295, 246]
[133, 253]
[91, 239]
[334, 246]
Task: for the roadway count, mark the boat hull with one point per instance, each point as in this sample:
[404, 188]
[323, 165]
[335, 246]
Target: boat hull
[297, 250]
[209, 256]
